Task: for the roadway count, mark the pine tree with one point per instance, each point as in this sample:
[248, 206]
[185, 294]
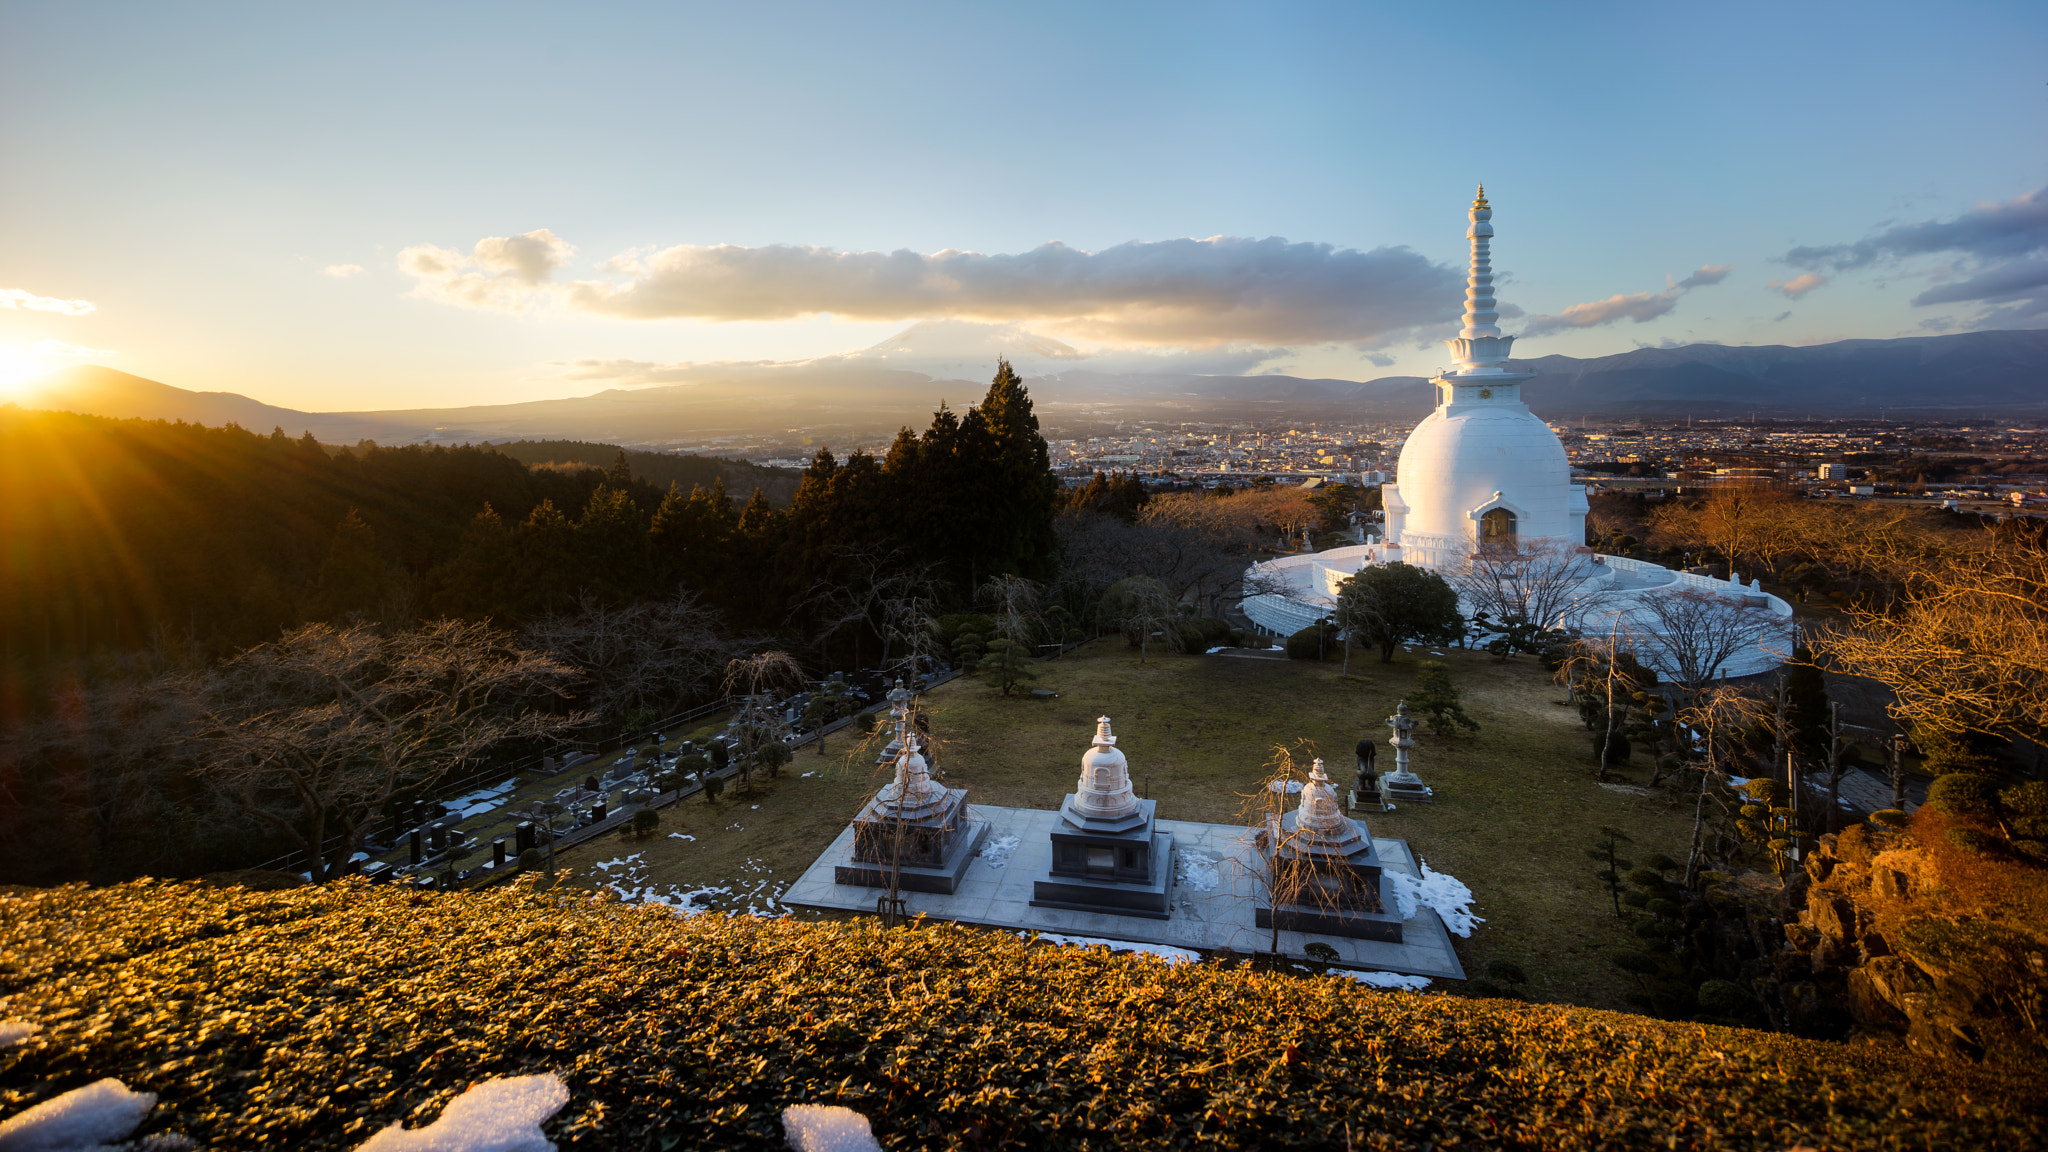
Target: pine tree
[355, 580]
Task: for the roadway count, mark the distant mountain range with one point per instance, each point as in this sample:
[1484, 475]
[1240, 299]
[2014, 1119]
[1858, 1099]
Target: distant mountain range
[901, 380]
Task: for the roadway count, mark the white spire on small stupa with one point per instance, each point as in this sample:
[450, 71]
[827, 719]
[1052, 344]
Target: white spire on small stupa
[1321, 819]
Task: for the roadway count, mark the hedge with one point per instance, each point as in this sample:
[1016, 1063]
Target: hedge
[311, 1017]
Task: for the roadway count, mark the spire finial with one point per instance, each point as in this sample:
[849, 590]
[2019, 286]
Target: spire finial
[1480, 200]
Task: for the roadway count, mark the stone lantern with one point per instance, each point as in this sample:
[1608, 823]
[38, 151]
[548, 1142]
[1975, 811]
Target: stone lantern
[1402, 783]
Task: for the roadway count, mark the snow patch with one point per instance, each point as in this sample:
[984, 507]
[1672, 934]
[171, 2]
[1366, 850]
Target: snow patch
[996, 853]
[807, 776]
[827, 1128]
[13, 1032]
[1292, 786]
[1195, 871]
[80, 1120]
[1447, 895]
[1384, 979]
[680, 836]
[502, 1115]
[1165, 952]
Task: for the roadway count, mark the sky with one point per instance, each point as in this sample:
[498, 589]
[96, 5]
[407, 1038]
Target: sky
[367, 206]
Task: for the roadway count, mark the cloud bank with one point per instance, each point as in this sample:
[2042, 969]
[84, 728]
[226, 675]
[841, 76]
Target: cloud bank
[1998, 258]
[1641, 307]
[17, 298]
[1188, 292]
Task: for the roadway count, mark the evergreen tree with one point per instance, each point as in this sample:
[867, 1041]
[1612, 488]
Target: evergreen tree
[1020, 531]
[1806, 705]
[1394, 604]
[355, 580]
[1438, 700]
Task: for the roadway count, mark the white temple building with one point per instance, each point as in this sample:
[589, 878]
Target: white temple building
[1484, 486]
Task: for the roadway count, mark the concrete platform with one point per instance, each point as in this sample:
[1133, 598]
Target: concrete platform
[1203, 921]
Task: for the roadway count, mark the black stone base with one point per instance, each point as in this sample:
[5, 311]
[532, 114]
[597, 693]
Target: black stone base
[943, 879]
[1348, 922]
[1152, 900]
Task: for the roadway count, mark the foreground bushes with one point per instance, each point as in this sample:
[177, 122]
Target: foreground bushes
[310, 1017]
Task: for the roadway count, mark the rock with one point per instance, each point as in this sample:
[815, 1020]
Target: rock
[1819, 865]
[1891, 884]
[1831, 915]
[1801, 937]
[1933, 1029]
[1868, 1005]
[1873, 945]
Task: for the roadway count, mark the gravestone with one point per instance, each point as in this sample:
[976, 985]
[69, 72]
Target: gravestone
[523, 837]
[416, 847]
[497, 853]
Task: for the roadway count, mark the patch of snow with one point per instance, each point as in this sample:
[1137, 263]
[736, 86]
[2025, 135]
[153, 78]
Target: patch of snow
[1216, 649]
[1434, 652]
[1292, 786]
[1195, 871]
[827, 1128]
[1737, 781]
[1277, 648]
[13, 1032]
[806, 776]
[621, 862]
[680, 836]
[757, 807]
[1165, 952]
[996, 853]
[82, 1119]
[1384, 979]
[501, 1115]
[1447, 895]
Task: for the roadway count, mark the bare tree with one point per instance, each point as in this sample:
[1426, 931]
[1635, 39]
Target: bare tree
[760, 682]
[1139, 605]
[1293, 862]
[1718, 716]
[853, 600]
[652, 656]
[1543, 582]
[1691, 635]
[1018, 616]
[315, 732]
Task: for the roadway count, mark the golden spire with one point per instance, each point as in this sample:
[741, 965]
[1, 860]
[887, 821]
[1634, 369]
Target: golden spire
[1480, 201]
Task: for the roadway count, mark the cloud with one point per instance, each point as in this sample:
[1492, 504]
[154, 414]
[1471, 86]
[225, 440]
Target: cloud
[1997, 284]
[16, 298]
[60, 348]
[1989, 231]
[1193, 292]
[1379, 359]
[1706, 275]
[507, 273]
[1999, 249]
[341, 271]
[1785, 315]
[1798, 285]
[1641, 307]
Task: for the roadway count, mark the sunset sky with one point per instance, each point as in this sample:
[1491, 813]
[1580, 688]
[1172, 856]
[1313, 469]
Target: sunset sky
[375, 206]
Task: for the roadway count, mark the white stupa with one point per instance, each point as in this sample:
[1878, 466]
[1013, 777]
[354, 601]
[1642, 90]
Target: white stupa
[1481, 468]
[1483, 476]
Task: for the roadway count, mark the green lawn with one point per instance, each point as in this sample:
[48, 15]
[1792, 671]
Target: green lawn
[1516, 803]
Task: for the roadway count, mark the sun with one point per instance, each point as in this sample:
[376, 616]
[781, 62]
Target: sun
[18, 372]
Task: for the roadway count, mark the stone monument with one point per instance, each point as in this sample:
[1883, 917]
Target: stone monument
[1401, 783]
[1324, 874]
[1366, 793]
[1105, 855]
[915, 831]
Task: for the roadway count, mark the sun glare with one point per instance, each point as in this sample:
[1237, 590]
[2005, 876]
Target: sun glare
[17, 370]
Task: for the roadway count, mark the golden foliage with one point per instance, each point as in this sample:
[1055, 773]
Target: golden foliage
[308, 1018]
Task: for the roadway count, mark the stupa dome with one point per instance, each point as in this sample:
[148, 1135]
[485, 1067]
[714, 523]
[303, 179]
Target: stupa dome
[1474, 454]
[1104, 791]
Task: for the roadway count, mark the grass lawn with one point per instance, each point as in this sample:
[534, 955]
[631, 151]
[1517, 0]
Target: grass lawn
[1516, 803]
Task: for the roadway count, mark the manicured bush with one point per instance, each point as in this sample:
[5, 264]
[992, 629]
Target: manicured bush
[309, 1018]
[1963, 794]
[1891, 818]
[1316, 642]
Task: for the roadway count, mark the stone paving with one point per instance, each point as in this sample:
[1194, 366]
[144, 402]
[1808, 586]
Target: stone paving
[1213, 896]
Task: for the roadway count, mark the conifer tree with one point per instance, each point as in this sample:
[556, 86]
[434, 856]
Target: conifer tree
[355, 579]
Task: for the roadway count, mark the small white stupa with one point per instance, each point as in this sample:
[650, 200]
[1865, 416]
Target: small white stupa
[1106, 854]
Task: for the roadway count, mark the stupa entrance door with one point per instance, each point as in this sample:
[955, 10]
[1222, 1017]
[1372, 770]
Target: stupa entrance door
[1497, 532]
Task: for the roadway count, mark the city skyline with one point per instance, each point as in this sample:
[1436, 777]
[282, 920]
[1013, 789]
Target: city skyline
[394, 209]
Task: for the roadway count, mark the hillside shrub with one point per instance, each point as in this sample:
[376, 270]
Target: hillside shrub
[1318, 641]
[309, 1018]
